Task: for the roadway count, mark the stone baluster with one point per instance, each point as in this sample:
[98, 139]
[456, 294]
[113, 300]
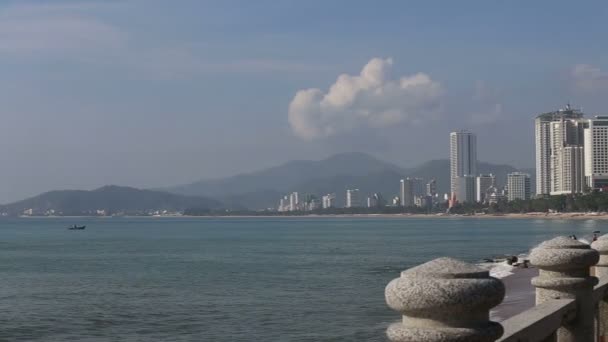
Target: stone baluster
[564, 274]
[445, 300]
[601, 271]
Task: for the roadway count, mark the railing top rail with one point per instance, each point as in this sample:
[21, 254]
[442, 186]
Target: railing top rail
[538, 322]
[600, 290]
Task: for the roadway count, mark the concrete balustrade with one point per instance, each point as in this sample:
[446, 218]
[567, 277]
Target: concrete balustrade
[564, 274]
[445, 300]
[601, 271]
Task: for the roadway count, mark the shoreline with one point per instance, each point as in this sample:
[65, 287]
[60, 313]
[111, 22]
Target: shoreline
[534, 215]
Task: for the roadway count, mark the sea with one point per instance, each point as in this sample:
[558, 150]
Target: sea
[231, 279]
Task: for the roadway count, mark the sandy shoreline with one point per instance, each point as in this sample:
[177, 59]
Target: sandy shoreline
[540, 216]
[556, 216]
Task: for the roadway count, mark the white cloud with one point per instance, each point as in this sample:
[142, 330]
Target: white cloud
[60, 29]
[79, 32]
[587, 77]
[371, 99]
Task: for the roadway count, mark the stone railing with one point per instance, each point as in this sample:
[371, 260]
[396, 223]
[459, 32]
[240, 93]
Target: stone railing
[447, 300]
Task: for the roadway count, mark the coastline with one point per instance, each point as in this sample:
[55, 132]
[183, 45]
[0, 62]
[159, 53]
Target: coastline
[535, 215]
[532, 215]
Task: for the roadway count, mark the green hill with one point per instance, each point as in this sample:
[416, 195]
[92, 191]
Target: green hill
[111, 199]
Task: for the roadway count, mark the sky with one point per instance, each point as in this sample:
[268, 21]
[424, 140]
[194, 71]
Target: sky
[151, 93]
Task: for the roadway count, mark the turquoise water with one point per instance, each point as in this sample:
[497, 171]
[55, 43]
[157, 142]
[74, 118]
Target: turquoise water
[276, 279]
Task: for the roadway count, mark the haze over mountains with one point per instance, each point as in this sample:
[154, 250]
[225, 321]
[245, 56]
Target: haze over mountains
[255, 190]
[262, 189]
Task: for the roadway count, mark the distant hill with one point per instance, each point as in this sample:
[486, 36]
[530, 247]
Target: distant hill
[263, 189]
[285, 176]
[112, 199]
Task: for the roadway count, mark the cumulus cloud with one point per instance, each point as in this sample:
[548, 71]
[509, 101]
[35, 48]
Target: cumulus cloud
[589, 78]
[371, 99]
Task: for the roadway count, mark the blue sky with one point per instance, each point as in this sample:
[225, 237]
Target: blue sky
[150, 93]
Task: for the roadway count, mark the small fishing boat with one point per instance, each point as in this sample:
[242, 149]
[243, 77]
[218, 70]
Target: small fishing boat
[75, 227]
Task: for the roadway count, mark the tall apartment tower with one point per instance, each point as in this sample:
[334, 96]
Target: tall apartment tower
[519, 186]
[463, 156]
[596, 153]
[352, 198]
[294, 201]
[567, 174]
[328, 201]
[482, 184]
[407, 192]
[559, 139]
[465, 189]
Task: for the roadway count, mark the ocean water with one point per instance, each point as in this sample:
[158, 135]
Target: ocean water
[230, 279]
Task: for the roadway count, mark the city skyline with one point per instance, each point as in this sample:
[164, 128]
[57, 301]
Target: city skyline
[122, 92]
[571, 158]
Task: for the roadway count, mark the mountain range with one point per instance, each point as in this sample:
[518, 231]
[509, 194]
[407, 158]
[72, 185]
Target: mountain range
[255, 190]
[263, 189]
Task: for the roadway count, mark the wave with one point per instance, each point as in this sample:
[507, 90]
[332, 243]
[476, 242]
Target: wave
[500, 268]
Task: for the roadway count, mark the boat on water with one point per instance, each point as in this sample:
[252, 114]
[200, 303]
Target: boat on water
[75, 227]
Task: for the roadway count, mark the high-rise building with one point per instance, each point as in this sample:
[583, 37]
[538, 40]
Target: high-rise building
[567, 174]
[570, 173]
[352, 198]
[463, 156]
[407, 192]
[328, 201]
[465, 189]
[519, 186]
[482, 184]
[294, 201]
[283, 204]
[553, 132]
[596, 153]
[431, 188]
[371, 202]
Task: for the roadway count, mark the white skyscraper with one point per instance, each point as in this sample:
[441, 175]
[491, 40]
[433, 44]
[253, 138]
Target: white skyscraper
[519, 186]
[328, 201]
[567, 175]
[596, 153]
[352, 198]
[463, 156]
[482, 184]
[294, 201]
[547, 163]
